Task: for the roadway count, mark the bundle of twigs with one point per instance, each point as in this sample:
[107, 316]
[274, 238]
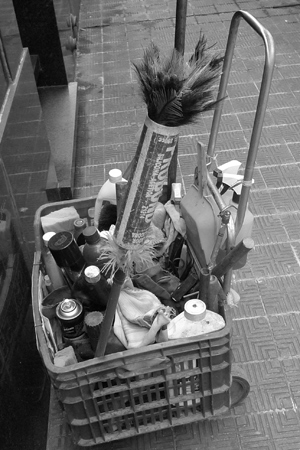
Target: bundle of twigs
[176, 93]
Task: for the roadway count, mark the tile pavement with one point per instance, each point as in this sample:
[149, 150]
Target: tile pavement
[266, 326]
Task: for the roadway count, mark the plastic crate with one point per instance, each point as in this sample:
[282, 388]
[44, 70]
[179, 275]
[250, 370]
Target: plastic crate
[141, 390]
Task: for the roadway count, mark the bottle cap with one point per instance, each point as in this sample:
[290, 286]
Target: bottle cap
[195, 310]
[47, 237]
[65, 251]
[79, 224]
[115, 175]
[92, 274]
[91, 235]
[91, 213]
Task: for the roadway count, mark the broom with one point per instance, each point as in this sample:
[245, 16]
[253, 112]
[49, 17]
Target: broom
[175, 94]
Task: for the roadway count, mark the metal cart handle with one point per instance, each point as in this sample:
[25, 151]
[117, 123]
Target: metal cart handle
[261, 104]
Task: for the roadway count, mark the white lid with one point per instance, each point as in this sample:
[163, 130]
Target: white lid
[115, 175]
[92, 274]
[195, 310]
[47, 237]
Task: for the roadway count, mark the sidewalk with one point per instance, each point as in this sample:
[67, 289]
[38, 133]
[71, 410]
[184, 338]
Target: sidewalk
[266, 328]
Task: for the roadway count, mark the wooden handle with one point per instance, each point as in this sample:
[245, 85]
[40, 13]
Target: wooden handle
[118, 281]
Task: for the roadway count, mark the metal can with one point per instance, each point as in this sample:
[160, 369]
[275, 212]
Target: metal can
[70, 314]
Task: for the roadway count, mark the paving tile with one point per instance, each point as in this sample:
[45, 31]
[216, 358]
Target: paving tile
[252, 340]
[279, 294]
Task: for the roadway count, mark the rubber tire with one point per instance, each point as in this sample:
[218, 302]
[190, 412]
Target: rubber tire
[240, 387]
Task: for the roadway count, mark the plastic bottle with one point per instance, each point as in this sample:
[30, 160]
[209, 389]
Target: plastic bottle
[194, 320]
[92, 289]
[53, 271]
[107, 192]
[225, 175]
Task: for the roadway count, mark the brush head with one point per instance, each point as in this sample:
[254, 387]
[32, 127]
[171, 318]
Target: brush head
[175, 94]
[108, 216]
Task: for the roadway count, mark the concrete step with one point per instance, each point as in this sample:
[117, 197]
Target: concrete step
[59, 105]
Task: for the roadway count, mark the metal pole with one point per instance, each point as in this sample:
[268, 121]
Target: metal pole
[181, 9]
[180, 26]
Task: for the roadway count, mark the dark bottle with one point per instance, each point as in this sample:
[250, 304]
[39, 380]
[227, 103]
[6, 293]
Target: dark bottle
[67, 254]
[79, 226]
[93, 246]
[92, 289]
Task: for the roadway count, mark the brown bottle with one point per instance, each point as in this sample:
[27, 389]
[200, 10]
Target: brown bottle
[92, 289]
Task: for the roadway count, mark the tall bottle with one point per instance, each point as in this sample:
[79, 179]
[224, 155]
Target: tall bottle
[79, 226]
[67, 254]
[93, 245]
[107, 193]
[53, 271]
[92, 289]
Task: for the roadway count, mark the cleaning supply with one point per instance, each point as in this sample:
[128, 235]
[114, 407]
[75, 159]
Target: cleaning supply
[67, 254]
[93, 244]
[79, 226]
[195, 320]
[52, 269]
[225, 175]
[91, 289]
[107, 193]
[201, 214]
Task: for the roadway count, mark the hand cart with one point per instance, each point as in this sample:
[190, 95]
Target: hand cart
[166, 384]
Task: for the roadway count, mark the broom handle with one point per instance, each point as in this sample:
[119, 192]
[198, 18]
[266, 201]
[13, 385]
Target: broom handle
[180, 26]
[106, 325]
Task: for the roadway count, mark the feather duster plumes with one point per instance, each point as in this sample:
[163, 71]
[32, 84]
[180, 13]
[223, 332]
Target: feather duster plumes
[176, 93]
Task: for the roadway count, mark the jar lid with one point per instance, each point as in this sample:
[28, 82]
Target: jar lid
[195, 310]
[47, 237]
[91, 235]
[115, 175]
[92, 274]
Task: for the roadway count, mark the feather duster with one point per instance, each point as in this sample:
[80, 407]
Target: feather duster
[175, 94]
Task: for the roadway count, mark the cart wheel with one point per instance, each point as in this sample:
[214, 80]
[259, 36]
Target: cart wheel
[240, 387]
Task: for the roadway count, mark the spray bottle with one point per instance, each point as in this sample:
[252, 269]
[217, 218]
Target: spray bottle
[224, 180]
[107, 193]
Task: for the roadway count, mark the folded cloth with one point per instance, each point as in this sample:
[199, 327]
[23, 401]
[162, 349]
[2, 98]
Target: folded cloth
[139, 317]
[60, 220]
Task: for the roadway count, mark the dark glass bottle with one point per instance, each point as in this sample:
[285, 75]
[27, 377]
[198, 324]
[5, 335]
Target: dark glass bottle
[92, 289]
[93, 246]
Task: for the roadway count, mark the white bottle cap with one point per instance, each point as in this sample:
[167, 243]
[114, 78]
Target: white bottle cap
[195, 310]
[47, 237]
[92, 274]
[115, 175]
